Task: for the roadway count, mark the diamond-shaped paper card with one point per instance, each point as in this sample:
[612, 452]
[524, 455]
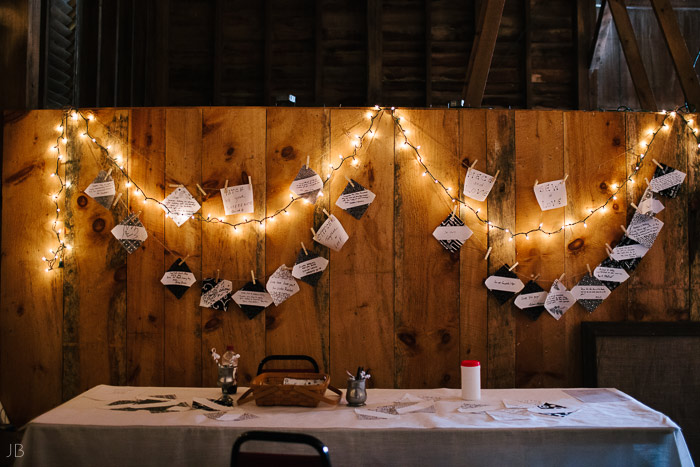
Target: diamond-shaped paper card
[102, 189]
[559, 299]
[309, 267]
[281, 285]
[503, 284]
[238, 199]
[331, 234]
[252, 299]
[667, 181]
[590, 292]
[178, 279]
[531, 300]
[180, 205]
[649, 205]
[130, 232]
[355, 199]
[629, 252]
[452, 233]
[216, 294]
[644, 229]
[478, 185]
[551, 195]
[611, 273]
[307, 184]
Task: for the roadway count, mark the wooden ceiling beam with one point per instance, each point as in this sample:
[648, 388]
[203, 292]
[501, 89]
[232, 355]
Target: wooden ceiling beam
[600, 36]
[679, 51]
[374, 52]
[482, 52]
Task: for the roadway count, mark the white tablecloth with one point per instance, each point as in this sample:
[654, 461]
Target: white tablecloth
[85, 431]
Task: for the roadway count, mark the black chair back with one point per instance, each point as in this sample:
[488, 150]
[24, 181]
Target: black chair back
[261, 459]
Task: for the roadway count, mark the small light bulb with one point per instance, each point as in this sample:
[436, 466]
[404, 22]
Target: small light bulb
[615, 197]
[69, 246]
[540, 225]
[585, 225]
[665, 127]
[507, 230]
[221, 219]
[405, 132]
[59, 128]
[449, 188]
[369, 115]
[128, 184]
[68, 184]
[74, 116]
[690, 121]
[673, 114]
[603, 209]
[43, 258]
[52, 175]
[510, 239]
[650, 132]
[614, 186]
[286, 213]
[272, 219]
[64, 140]
[527, 237]
[320, 194]
[91, 117]
[425, 173]
[404, 144]
[340, 156]
[93, 140]
[436, 180]
[356, 162]
[47, 269]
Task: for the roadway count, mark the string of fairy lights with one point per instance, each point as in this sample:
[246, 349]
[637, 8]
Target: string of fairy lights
[56, 254]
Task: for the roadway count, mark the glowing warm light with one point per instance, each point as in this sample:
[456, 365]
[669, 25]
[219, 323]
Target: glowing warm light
[614, 186]
[585, 225]
[369, 115]
[91, 117]
[59, 128]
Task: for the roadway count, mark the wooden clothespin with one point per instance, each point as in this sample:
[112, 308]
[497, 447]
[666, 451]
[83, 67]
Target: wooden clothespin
[657, 163]
[252, 274]
[646, 180]
[473, 164]
[496, 176]
[488, 252]
[182, 260]
[326, 212]
[109, 172]
[623, 229]
[565, 177]
[454, 210]
[116, 200]
[204, 193]
[138, 213]
[173, 185]
[313, 232]
[304, 248]
[634, 206]
[250, 180]
[226, 184]
[349, 181]
[534, 279]
[561, 277]
[608, 250]
[589, 269]
[217, 276]
[513, 266]
[308, 158]
[536, 181]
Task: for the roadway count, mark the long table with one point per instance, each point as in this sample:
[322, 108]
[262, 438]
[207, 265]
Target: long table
[139, 428]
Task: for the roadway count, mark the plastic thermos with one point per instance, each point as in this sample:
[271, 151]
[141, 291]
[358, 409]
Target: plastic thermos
[471, 380]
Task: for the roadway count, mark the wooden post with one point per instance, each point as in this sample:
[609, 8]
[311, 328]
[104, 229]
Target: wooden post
[428, 54]
[585, 16]
[482, 52]
[318, 39]
[218, 51]
[374, 51]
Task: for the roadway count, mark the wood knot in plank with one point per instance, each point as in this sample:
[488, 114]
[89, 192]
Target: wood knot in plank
[22, 174]
[616, 141]
[446, 379]
[230, 151]
[270, 321]
[408, 338]
[445, 336]
[576, 244]
[151, 318]
[120, 274]
[288, 153]
[20, 310]
[82, 201]
[212, 325]
[603, 186]
[98, 225]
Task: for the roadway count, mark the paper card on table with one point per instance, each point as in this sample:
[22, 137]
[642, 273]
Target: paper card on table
[417, 407]
[551, 195]
[667, 181]
[629, 252]
[644, 229]
[178, 278]
[252, 299]
[406, 398]
[331, 234]
[307, 184]
[595, 395]
[281, 285]
[238, 199]
[130, 232]
[649, 205]
[590, 292]
[506, 415]
[520, 403]
[553, 410]
[216, 295]
[558, 300]
[180, 205]
[452, 233]
[231, 416]
[102, 189]
[366, 414]
[503, 284]
[355, 199]
[477, 185]
[477, 407]
[309, 267]
[202, 403]
[611, 273]
[531, 300]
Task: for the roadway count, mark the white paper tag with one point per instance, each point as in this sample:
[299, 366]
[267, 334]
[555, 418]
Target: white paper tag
[281, 285]
[415, 407]
[100, 189]
[129, 232]
[506, 415]
[178, 278]
[461, 233]
[590, 292]
[558, 300]
[312, 266]
[219, 291]
[332, 234]
[302, 381]
[610, 274]
[306, 185]
[648, 204]
[477, 185]
[374, 413]
[506, 284]
[551, 195]
[668, 180]
[623, 252]
[238, 199]
[477, 407]
[358, 198]
[530, 300]
[180, 205]
[644, 229]
[253, 298]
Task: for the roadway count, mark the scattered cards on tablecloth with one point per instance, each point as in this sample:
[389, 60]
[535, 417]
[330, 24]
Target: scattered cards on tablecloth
[551, 409]
[130, 232]
[649, 205]
[309, 267]
[667, 181]
[355, 199]
[238, 199]
[611, 273]
[551, 195]
[216, 294]
[281, 285]
[180, 205]
[590, 292]
[503, 284]
[331, 234]
[478, 185]
[629, 252]
[178, 278]
[102, 189]
[559, 300]
[307, 184]
[452, 233]
[644, 229]
[477, 407]
[507, 415]
[377, 412]
[252, 299]
[531, 300]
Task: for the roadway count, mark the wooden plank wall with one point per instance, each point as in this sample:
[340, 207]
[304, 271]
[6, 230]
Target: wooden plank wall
[392, 299]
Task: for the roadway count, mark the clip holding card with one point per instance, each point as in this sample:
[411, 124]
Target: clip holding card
[496, 176]
[657, 163]
[561, 277]
[589, 269]
[473, 164]
[217, 276]
[646, 180]
[204, 193]
[565, 177]
[174, 185]
[534, 279]
[536, 182]
[326, 213]
[454, 211]
[109, 172]
[513, 266]
[250, 180]
[349, 181]
[623, 229]
[608, 250]
[182, 260]
[304, 248]
[226, 184]
[488, 252]
[313, 232]
[252, 274]
[116, 200]
[634, 206]
[308, 159]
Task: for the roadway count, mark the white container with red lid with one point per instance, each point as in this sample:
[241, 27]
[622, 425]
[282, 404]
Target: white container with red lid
[471, 380]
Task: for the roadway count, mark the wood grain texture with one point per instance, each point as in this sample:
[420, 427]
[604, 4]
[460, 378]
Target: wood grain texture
[145, 324]
[183, 317]
[426, 291]
[362, 276]
[541, 345]
[692, 148]
[32, 300]
[233, 148]
[500, 155]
